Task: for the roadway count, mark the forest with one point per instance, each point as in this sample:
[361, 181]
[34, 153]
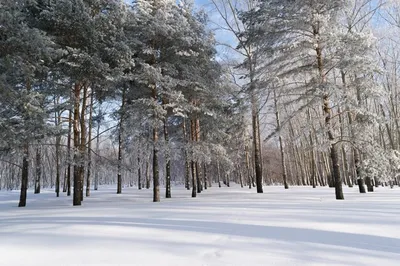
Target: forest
[156, 94]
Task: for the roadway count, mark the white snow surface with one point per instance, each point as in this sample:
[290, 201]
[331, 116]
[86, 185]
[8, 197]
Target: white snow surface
[222, 226]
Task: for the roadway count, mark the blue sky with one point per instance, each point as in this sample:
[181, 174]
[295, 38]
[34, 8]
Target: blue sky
[201, 2]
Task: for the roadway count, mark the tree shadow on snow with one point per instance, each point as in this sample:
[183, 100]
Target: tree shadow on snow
[266, 232]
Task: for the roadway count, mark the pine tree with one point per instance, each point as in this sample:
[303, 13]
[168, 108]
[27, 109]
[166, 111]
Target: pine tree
[25, 51]
[90, 35]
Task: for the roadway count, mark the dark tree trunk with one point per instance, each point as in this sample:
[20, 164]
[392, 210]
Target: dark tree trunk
[194, 181]
[139, 174]
[77, 197]
[360, 180]
[187, 164]
[38, 169]
[370, 186]
[119, 175]
[257, 150]
[156, 177]
[65, 181]
[199, 185]
[198, 171]
[219, 175]
[361, 187]
[205, 176]
[57, 122]
[88, 174]
[168, 163]
[58, 174]
[120, 146]
[187, 174]
[83, 138]
[168, 179]
[147, 175]
[336, 172]
[69, 152]
[24, 176]
[194, 164]
[77, 183]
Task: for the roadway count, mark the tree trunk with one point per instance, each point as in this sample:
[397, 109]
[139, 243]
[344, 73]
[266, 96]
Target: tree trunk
[69, 152]
[89, 148]
[156, 173]
[333, 152]
[198, 173]
[24, 176]
[346, 168]
[139, 174]
[57, 121]
[219, 176]
[240, 177]
[65, 181]
[119, 174]
[205, 176]
[147, 174]
[281, 144]
[187, 174]
[370, 186]
[360, 180]
[77, 199]
[336, 172]
[193, 163]
[256, 146]
[120, 143]
[167, 162]
[194, 181]
[38, 168]
[96, 173]
[248, 170]
[328, 120]
[83, 148]
[187, 164]
[156, 176]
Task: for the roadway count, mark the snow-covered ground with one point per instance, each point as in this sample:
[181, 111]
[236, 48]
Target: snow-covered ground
[223, 226]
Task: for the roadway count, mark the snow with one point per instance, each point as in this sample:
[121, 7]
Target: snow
[223, 226]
